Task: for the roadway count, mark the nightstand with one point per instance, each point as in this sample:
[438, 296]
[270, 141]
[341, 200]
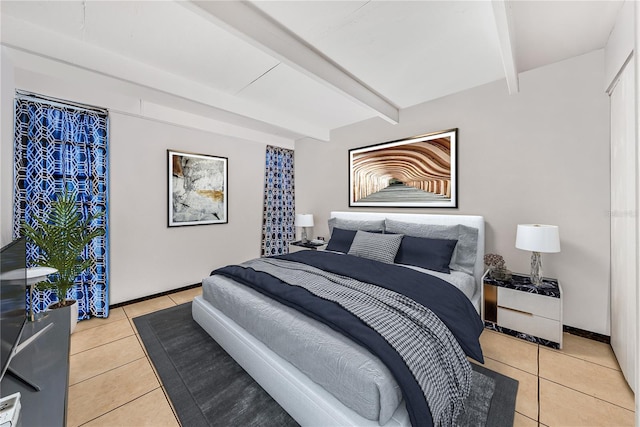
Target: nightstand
[518, 308]
[299, 246]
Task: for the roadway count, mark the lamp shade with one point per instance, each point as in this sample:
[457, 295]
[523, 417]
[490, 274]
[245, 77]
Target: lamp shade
[538, 238]
[304, 220]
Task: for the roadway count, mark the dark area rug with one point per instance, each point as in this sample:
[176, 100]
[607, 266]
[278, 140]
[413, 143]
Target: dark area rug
[208, 388]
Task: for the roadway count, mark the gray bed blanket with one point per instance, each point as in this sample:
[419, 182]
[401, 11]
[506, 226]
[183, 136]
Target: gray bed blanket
[351, 373]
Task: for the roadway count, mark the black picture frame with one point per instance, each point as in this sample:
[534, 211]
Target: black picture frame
[198, 189]
[416, 172]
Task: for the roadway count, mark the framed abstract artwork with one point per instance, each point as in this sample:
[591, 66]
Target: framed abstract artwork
[419, 172]
[198, 191]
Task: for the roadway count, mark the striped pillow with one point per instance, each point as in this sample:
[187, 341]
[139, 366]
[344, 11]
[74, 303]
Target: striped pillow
[378, 247]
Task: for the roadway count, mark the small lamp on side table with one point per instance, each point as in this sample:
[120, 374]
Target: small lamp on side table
[304, 220]
[537, 238]
[36, 275]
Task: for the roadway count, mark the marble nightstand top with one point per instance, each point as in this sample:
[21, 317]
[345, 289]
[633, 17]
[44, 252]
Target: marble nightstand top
[520, 282]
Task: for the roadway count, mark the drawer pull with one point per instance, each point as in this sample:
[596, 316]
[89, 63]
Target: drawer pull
[526, 313]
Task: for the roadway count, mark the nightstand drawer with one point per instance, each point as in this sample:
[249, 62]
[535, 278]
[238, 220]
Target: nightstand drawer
[537, 326]
[538, 305]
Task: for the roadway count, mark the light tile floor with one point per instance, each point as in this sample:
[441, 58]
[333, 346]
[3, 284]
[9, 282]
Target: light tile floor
[113, 383]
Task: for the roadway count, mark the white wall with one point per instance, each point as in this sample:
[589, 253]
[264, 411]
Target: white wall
[620, 43]
[538, 156]
[146, 256]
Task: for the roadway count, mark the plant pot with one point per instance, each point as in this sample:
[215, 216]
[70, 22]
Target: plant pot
[73, 309]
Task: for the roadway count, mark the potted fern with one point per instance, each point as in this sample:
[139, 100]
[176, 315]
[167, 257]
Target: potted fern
[62, 234]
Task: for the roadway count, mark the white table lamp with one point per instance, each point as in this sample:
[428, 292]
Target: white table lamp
[538, 238]
[304, 220]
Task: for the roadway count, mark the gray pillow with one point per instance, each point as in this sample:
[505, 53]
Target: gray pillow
[464, 255]
[351, 224]
[375, 246]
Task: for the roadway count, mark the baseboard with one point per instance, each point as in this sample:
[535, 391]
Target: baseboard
[587, 334]
[568, 329]
[160, 294]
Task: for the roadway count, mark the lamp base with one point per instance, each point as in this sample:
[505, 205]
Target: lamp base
[536, 268]
[303, 237]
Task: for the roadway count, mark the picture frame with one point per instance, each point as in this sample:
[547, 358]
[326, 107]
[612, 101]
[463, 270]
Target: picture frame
[416, 172]
[198, 189]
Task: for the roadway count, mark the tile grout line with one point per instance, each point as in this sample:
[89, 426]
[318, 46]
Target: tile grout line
[105, 325]
[557, 383]
[153, 368]
[571, 388]
[526, 416]
[97, 326]
[539, 377]
[146, 354]
[166, 396]
[587, 394]
[511, 366]
[108, 370]
[560, 353]
[98, 319]
[554, 351]
[98, 346]
[148, 312]
[113, 409]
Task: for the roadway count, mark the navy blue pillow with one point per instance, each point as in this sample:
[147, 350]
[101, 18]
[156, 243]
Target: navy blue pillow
[423, 252]
[341, 240]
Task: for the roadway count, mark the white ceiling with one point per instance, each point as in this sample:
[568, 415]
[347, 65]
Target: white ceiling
[302, 68]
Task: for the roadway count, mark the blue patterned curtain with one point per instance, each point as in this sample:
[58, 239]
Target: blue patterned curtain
[60, 147]
[279, 208]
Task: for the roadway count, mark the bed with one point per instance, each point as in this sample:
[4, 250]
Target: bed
[289, 380]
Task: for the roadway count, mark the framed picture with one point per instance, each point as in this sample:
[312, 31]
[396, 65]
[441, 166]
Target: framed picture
[417, 172]
[198, 192]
